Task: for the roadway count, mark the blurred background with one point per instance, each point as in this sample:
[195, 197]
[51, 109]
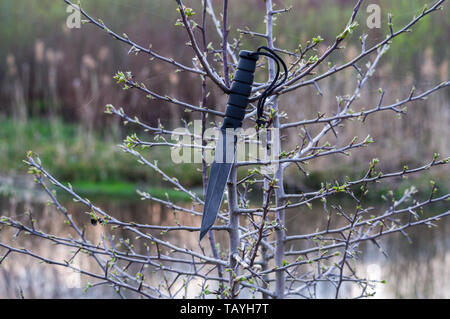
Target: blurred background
[55, 82]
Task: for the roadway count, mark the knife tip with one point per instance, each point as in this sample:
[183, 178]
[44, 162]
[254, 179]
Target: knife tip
[202, 233]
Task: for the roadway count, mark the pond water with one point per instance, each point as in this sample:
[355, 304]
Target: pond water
[417, 270]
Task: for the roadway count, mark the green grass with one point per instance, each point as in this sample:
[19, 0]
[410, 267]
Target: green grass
[124, 190]
[71, 154]
[398, 185]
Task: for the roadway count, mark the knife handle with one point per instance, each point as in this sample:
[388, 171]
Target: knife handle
[240, 90]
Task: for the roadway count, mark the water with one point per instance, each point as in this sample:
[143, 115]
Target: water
[420, 269]
[417, 270]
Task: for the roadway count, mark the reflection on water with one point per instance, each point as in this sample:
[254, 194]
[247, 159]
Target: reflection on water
[420, 269]
[417, 270]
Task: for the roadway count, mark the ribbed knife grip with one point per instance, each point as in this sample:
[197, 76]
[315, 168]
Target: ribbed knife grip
[240, 90]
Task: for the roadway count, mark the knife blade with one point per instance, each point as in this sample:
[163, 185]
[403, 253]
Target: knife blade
[220, 171]
[226, 145]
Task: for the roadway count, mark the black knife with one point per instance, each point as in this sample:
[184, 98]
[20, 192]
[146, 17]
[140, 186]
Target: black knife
[226, 144]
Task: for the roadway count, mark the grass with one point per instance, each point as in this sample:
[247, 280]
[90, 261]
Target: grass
[91, 160]
[397, 185]
[124, 190]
